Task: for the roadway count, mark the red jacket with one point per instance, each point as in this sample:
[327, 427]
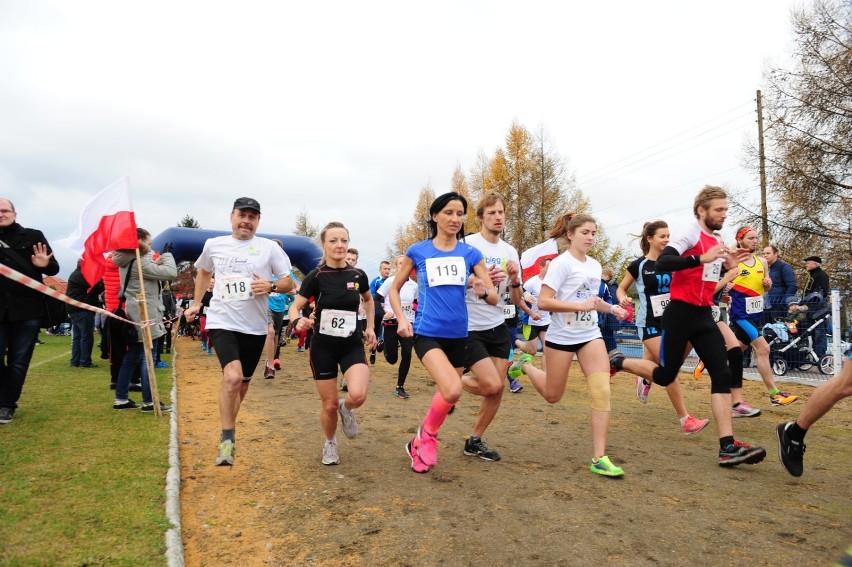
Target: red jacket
[112, 285]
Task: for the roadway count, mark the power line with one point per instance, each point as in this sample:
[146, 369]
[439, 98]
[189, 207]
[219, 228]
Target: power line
[672, 137]
[685, 149]
[648, 195]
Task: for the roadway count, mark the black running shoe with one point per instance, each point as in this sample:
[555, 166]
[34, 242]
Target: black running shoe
[791, 452]
[476, 447]
[150, 407]
[738, 453]
[129, 404]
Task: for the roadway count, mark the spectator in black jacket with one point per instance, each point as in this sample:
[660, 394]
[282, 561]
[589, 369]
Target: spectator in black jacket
[816, 282]
[21, 308]
[783, 285]
[170, 309]
[82, 321]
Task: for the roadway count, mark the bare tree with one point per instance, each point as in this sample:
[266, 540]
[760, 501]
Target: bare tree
[808, 134]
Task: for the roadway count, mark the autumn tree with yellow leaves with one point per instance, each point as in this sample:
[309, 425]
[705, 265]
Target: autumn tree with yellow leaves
[534, 181]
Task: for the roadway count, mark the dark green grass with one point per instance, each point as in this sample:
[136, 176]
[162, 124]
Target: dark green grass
[80, 483]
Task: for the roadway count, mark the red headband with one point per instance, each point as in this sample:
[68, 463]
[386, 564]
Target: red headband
[743, 231]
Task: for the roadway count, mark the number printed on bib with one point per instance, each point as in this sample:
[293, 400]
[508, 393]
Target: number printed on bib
[408, 309]
[508, 311]
[712, 271]
[754, 304]
[448, 270]
[234, 287]
[582, 319]
[659, 302]
[337, 323]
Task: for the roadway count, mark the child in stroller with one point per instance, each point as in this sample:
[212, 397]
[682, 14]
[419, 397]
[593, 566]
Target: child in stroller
[791, 341]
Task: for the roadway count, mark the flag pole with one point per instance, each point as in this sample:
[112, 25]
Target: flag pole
[147, 342]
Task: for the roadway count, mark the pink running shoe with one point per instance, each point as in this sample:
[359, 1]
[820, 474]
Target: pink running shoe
[276, 364]
[417, 465]
[693, 425]
[742, 409]
[642, 390]
[427, 447]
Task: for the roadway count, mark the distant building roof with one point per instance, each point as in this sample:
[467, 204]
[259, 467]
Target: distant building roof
[58, 284]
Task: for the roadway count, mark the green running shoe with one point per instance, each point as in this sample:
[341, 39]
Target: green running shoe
[517, 368]
[605, 467]
[226, 454]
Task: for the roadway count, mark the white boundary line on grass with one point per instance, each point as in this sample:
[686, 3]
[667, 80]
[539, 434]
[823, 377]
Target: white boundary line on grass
[174, 539]
[58, 356]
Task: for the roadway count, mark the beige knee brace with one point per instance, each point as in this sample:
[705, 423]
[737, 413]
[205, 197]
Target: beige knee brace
[599, 390]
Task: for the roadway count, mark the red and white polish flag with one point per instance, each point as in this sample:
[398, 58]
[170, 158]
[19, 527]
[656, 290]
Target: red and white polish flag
[107, 223]
[530, 259]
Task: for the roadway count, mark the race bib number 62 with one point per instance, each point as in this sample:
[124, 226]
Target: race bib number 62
[337, 323]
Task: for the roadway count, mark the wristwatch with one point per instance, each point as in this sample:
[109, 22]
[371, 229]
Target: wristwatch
[484, 295]
[515, 285]
[274, 288]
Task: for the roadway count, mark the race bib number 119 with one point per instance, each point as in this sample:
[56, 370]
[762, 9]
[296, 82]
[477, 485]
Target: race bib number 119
[449, 270]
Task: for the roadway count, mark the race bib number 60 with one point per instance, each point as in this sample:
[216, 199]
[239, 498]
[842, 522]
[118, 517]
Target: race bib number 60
[337, 323]
[449, 270]
[234, 288]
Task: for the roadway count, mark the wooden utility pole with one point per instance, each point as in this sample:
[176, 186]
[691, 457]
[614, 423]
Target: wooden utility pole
[764, 217]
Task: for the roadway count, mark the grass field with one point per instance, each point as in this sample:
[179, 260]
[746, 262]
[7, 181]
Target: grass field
[80, 483]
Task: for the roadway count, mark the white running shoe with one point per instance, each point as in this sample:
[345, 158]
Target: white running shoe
[350, 426]
[329, 453]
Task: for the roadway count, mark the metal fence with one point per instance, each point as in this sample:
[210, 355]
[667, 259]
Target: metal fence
[793, 357]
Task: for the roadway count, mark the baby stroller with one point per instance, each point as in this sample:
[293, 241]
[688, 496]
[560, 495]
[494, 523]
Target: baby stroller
[791, 341]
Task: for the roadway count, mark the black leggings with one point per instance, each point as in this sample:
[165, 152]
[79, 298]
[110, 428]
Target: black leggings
[686, 323]
[394, 343]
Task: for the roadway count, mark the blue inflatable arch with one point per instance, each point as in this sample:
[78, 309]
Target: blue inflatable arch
[187, 244]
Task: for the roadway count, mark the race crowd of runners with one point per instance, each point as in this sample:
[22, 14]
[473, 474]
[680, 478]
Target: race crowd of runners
[448, 300]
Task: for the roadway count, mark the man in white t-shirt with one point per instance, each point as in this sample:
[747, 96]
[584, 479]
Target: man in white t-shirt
[487, 348]
[244, 265]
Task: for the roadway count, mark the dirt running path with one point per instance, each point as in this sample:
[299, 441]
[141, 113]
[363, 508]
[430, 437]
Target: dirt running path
[538, 506]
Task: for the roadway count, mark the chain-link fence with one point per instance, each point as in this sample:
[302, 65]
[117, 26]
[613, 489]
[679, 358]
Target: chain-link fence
[804, 340]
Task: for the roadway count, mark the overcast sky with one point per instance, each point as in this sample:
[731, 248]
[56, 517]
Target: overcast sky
[348, 109]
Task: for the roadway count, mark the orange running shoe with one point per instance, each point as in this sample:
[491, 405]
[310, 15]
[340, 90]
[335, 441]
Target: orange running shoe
[696, 373]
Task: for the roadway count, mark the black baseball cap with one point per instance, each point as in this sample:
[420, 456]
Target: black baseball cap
[816, 259]
[247, 203]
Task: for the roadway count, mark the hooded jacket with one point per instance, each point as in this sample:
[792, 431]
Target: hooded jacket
[153, 273]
